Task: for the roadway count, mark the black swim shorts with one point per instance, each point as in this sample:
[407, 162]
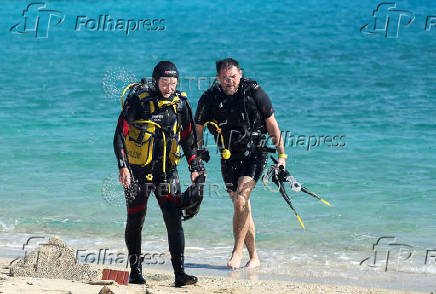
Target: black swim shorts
[252, 167]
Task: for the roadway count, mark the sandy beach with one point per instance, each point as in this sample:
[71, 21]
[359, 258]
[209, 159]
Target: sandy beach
[62, 275]
[159, 281]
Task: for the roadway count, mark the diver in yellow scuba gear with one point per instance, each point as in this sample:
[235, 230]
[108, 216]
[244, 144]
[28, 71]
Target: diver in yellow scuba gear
[154, 123]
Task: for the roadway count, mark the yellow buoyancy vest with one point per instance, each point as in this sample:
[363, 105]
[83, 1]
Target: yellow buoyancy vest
[142, 135]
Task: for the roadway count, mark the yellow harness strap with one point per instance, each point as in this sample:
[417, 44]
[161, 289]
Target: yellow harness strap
[226, 152]
[124, 92]
[173, 103]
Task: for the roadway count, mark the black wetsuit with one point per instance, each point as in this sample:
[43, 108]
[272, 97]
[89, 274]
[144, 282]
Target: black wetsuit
[135, 109]
[242, 119]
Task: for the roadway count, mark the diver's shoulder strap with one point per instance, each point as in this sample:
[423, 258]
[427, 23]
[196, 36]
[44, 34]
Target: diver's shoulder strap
[250, 86]
[181, 98]
[143, 95]
[148, 100]
[185, 103]
[214, 90]
[182, 95]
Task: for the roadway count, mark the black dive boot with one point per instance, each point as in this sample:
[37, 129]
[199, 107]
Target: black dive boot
[135, 276]
[182, 278]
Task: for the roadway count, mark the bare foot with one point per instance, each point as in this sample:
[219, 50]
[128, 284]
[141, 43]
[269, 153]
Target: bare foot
[253, 263]
[235, 261]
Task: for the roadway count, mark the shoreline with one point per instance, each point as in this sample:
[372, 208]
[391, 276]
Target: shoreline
[162, 281]
[322, 275]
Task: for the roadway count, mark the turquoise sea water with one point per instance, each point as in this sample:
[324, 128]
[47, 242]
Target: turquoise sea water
[325, 78]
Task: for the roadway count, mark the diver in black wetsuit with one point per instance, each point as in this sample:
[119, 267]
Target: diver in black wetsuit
[243, 114]
[153, 120]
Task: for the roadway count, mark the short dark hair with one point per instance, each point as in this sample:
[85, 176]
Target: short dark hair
[226, 63]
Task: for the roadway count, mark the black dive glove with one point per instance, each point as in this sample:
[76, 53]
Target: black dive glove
[196, 165]
[132, 190]
[283, 175]
[204, 154]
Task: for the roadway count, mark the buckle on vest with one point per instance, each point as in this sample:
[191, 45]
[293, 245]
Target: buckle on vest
[178, 155]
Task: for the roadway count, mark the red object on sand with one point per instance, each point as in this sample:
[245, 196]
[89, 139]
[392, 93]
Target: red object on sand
[121, 277]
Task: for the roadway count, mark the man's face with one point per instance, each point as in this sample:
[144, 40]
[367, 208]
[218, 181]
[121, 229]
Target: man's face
[230, 78]
[167, 86]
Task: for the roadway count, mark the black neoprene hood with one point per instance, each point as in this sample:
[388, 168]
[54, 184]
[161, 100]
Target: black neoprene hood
[165, 69]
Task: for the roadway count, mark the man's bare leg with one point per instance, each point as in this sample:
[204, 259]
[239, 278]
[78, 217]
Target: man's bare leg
[250, 242]
[234, 262]
[241, 218]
